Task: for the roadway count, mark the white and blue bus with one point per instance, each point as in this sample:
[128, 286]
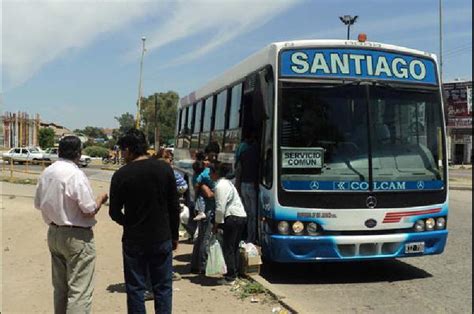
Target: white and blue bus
[352, 147]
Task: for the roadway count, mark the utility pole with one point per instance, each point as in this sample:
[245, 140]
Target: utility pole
[139, 101]
[348, 20]
[157, 127]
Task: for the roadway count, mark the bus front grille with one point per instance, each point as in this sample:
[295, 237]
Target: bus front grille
[368, 249]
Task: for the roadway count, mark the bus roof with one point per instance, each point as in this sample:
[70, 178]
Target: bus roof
[268, 56]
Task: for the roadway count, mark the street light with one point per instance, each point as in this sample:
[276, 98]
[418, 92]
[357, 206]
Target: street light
[139, 101]
[348, 20]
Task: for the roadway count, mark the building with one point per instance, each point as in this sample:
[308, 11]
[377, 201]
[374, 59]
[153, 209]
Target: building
[109, 133]
[458, 103]
[19, 129]
[59, 130]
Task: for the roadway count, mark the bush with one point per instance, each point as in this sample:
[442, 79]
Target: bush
[96, 151]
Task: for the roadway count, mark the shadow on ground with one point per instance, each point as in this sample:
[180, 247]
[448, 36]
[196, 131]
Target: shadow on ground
[117, 287]
[343, 272]
[185, 258]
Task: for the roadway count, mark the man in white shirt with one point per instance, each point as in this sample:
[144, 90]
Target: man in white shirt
[67, 205]
[230, 213]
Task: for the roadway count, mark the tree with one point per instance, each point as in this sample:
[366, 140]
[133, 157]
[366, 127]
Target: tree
[126, 122]
[160, 110]
[46, 137]
[91, 132]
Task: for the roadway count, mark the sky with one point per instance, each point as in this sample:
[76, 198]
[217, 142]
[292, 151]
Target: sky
[77, 62]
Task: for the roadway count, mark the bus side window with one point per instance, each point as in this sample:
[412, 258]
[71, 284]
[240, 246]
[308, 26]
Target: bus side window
[193, 118]
[232, 124]
[220, 111]
[207, 123]
[188, 119]
[235, 107]
[180, 117]
[217, 138]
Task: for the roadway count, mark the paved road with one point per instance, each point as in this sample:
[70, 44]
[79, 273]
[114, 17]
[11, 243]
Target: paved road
[460, 173]
[431, 284]
[94, 172]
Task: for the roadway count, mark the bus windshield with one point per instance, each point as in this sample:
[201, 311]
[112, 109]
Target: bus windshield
[360, 137]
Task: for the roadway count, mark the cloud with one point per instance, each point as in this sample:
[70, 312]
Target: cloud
[217, 21]
[37, 32]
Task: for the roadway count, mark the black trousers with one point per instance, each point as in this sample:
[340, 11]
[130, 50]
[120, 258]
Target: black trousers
[233, 229]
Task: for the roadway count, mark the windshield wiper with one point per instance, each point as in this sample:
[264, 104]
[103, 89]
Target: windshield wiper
[349, 165]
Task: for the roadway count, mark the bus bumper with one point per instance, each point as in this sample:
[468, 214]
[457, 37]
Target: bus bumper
[288, 249]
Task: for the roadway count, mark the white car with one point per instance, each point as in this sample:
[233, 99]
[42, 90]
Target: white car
[51, 154]
[22, 155]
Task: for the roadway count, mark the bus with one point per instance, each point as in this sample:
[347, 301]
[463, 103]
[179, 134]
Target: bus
[352, 144]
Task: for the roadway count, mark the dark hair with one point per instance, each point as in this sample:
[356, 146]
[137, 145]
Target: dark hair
[198, 167]
[135, 141]
[200, 155]
[69, 147]
[223, 169]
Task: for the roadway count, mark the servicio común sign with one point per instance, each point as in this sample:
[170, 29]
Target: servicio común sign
[302, 157]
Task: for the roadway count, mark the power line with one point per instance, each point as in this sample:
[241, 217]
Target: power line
[457, 51]
[466, 45]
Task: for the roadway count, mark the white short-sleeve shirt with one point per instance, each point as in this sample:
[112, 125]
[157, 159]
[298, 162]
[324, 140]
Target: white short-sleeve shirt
[64, 194]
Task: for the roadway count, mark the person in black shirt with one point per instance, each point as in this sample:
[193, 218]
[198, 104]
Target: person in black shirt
[145, 188]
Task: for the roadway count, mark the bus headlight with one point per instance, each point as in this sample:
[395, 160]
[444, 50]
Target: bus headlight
[298, 227]
[419, 225]
[283, 227]
[440, 223]
[312, 228]
[430, 224]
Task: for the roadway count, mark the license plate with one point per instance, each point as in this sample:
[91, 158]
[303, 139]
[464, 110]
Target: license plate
[415, 247]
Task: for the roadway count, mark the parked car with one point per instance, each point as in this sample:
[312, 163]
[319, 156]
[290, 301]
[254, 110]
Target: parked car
[51, 154]
[22, 155]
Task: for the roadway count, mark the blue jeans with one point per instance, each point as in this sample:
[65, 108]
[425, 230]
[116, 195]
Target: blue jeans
[156, 258]
[249, 198]
[201, 245]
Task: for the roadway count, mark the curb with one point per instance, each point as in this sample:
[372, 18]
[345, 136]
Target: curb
[460, 188]
[109, 168]
[279, 296]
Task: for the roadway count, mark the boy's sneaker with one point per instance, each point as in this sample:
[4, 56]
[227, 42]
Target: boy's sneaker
[226, 282]
[200, 216]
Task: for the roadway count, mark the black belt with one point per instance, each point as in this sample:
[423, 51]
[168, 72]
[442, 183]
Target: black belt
[69, 226]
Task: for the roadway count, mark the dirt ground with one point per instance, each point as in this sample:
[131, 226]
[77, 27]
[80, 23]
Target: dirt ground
[26, 269]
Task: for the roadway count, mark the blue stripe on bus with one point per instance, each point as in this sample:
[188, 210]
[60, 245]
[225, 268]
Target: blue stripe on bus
[362, 186]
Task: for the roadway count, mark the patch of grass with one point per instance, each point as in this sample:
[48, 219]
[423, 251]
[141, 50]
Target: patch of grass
[245, 288]
[19, 180]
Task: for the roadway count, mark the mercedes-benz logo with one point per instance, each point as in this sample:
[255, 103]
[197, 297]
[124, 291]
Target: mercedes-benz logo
[371, 202]
[420, 185]
[314, 185]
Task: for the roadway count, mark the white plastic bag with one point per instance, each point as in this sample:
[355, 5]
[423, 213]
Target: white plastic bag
[249, 248]
[184, 215]
[215, 265]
